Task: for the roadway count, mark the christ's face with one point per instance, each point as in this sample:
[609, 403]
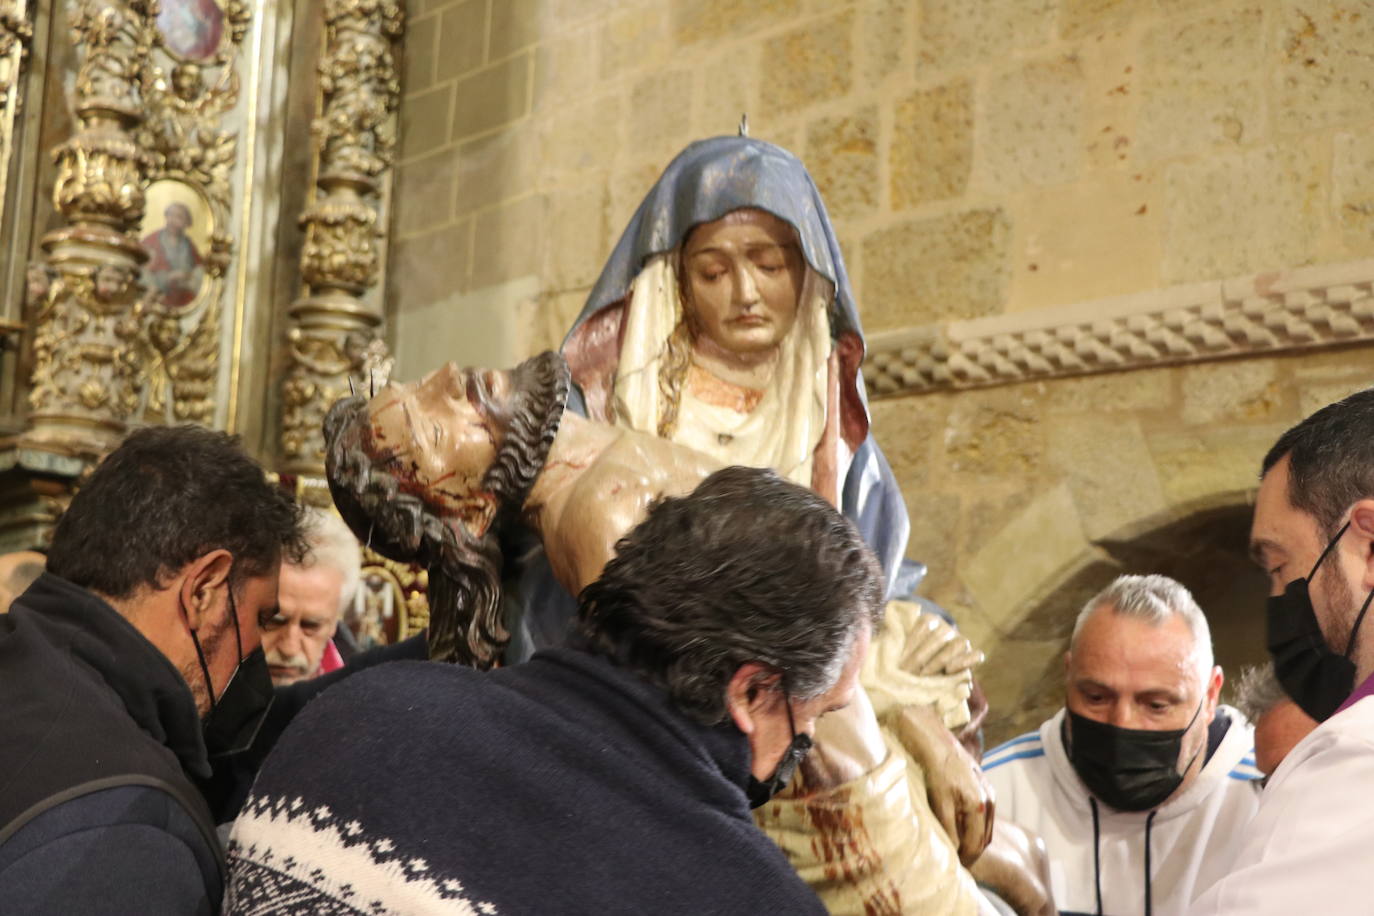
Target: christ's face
[441, 434]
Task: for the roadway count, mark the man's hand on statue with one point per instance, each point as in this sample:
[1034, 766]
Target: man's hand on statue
[849, 744]
[959, 794]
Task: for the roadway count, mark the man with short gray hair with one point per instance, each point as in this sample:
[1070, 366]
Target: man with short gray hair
[1279, 722]
[1141, 785]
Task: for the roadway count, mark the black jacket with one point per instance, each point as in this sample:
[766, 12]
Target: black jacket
[99, 740]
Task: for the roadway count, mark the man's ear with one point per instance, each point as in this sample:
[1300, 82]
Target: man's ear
[201, 580]
[1214, 683]
[751, 693]
[1362, 522]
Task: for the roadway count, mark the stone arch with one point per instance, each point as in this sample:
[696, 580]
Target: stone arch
[1203, 544]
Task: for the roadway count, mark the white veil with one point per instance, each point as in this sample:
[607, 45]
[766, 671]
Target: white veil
[782, 432]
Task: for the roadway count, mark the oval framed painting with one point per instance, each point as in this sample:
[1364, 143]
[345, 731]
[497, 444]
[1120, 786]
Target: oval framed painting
[176, 231]
[191, 29]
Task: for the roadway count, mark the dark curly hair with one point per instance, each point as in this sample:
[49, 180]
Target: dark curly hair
[168, 495]
[1330, 459]
[386, 513]
[748, 567]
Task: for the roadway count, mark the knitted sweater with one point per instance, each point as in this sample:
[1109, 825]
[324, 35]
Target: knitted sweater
[563, 785]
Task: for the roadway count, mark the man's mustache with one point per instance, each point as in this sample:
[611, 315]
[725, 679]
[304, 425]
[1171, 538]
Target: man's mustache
[295, 662]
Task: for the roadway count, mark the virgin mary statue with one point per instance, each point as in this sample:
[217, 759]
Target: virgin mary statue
[724, 321]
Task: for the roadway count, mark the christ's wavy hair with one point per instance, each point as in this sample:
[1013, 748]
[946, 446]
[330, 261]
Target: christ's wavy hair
[465, 623]
[748, 567]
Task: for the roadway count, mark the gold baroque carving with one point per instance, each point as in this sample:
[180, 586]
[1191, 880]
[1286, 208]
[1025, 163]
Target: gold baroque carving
[360, 89]
[390, 590]
[114, 39]
[1298, 309]
[334, 341]
[100, 177]
[86, 370]
[186, 102]
[340, 248]
[16, 33]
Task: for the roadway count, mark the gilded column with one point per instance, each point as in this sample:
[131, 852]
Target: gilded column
[85, 377]
[334, 334]
[15, 34]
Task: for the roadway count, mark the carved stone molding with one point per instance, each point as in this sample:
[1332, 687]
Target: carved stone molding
[86, 368]
[334, 334]
[1264, 313]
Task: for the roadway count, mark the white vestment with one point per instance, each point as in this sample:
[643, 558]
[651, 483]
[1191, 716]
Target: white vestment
[1310, 848]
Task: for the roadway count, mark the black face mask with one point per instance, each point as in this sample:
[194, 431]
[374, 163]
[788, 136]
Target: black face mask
[760, 792]
[237, 714]
[1313, 675]
[1129, 769]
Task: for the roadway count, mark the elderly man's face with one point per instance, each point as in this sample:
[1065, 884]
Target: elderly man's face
[1131, 673]
[294, 639]
[178, 218]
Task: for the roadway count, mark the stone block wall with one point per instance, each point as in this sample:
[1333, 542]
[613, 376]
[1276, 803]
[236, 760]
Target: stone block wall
[979, 158]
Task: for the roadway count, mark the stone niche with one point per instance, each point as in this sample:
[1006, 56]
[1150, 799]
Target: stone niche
[1206, 551]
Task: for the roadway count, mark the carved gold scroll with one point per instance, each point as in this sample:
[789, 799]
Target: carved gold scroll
[334, 334]
[86, 371]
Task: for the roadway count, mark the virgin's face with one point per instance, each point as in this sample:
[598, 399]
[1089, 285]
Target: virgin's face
[441, 433]
[743, 277]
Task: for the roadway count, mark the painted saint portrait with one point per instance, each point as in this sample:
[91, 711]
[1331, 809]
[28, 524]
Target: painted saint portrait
[175, 233]
[191, 29]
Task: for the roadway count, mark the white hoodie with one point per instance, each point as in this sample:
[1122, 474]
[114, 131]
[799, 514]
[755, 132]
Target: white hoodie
[1192, 838]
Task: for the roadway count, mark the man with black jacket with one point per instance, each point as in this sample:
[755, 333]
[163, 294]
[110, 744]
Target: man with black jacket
[126, 667]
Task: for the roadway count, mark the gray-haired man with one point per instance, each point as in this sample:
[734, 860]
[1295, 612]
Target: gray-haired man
[1279, 722]
[1140, 786]
[310, 600]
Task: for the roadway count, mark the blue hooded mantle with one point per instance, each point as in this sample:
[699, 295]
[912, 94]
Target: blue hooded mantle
[707, 180]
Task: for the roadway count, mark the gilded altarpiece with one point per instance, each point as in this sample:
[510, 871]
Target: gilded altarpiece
[334, 336]
[154, 221]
